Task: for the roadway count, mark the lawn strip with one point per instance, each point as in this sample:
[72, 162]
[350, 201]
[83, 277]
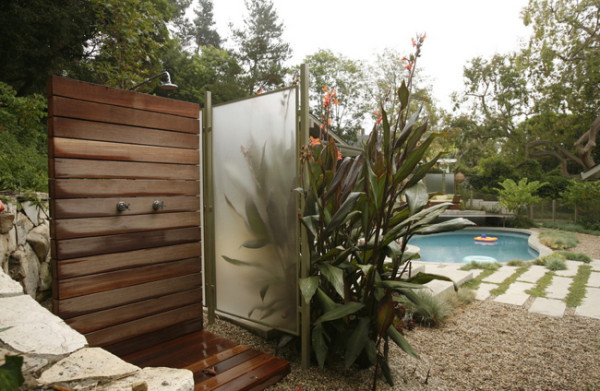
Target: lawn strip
[503, 286]
[577, 288]
[540, 289]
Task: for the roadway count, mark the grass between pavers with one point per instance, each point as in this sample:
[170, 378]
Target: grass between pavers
[577, 288]
[503, 286]
[540, 288]
[488, 269]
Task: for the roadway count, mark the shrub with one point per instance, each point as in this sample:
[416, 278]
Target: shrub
[431, 310]
[571, 227]
[517, 196]
[552, 262]
[572, 256]
[558, 240]
[517, 262]
[481, 265]
[584, 196]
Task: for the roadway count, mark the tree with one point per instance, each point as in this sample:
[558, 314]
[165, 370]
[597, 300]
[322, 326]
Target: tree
[517, 196]
[345, 76]
[204, 31]
[39, 38]
[261, 50]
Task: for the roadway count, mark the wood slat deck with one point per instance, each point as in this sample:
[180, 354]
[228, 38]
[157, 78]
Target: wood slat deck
[217, 364]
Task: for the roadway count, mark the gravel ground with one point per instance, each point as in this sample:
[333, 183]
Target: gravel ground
[482, 346]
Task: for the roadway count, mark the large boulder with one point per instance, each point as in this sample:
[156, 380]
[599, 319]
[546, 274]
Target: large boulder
[39, 239]
[6, 222]
[24, 267]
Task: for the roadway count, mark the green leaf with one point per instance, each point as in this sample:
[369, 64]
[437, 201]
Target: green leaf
[237, 262]
[387, 372]
[340, 312]
[339, 216]
[393, 284]
[356, 343]
[450, 225]
[417, 197]
[256, 243]
[319, 343]
[385, 315]
[11, 377]
[263, 292]
[326, 301]
[255, 222]
[403, 95]
[401, 342]
[308, 287]
[424, 278]
[334, 275]
[371, 350]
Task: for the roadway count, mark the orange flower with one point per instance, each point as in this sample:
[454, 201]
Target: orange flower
[325, 89]
[329, 121]
[379, 120]
[314, 141]
[414, 43]
[409, 66]
[339, 155]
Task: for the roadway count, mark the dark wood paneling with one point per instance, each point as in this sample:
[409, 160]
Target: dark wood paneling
[82, 168]
[113, 316]
[124, 331]
[78, 267]
[102, 150]
[97, 93]
[102, 131]
[81, 188]
[95, 226]
[82, 247]
[99, 112]
[87, 285]
[76, 306]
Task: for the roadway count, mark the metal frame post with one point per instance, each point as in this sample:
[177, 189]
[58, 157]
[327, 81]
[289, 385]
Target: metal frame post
[208, 204]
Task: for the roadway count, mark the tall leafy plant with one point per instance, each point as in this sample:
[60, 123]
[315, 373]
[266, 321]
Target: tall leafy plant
[360, 213]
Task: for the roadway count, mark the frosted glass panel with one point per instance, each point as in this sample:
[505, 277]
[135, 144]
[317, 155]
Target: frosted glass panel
[254, 150]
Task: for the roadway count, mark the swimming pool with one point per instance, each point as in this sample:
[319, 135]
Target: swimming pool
[461, 246]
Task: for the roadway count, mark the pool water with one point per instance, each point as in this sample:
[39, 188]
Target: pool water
[461, 247]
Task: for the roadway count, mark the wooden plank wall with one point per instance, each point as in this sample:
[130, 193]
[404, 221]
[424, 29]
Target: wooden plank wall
[124, 279]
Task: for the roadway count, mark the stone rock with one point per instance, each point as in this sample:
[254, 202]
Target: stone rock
[45, 282]
[24, 267]
[9, 287]
[32, 211]
[87, 363]
[163, 379]
[23, 225]
[35, 329]
[39, 239]
[6, 222]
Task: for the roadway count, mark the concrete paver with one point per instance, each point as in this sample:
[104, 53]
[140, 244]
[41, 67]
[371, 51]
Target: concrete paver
[501, 274]
[571, 271]
[595, 264]
[590, 307]
[451, 270]
[483, 292]
[594, 280]
[559, 288]
[534, 273]
[548, 307]
[515, 293]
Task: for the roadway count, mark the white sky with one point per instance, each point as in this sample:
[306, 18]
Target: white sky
[457, 30]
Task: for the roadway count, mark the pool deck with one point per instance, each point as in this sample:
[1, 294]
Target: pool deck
[553, 304]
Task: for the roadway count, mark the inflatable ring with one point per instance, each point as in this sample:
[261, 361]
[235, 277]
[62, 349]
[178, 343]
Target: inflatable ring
[484, 238]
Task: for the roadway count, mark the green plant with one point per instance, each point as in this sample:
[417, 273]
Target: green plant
[517, 196]
[481, 265]
[558, 240]
[555, 262]
[503, 286]
[573, 256]
[359, 215]
[584, 196]
[577, 288]
[11, 376]
[540, 288]
[572, 227]
[430, 310]
[517, 262]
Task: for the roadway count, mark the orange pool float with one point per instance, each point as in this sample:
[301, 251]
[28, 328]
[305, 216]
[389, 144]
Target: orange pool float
[485, 238]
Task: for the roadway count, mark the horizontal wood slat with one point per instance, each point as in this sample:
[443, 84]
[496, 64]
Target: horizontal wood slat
[113, 316]
[151, 339]
[81, 188]
[105, 207]
[213, 359]
[95, 226]
[86, 285]
[102, 150]
[121, 332]
[81, 90]
[82, 247]
[75, 306]
[99, 112]
[102, 131]
[258, 378]
[78, 267]
[227, 365]
[83, 168]
[228, 376]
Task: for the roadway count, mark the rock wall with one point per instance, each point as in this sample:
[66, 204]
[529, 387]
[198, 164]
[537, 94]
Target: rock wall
[25, 243]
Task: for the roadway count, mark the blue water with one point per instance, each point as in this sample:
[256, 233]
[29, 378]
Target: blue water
[460, 247]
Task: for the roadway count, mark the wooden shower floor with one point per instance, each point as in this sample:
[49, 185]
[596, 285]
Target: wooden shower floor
[217, 363]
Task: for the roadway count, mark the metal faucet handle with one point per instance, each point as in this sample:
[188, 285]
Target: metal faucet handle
[122, 206]
[156, 205]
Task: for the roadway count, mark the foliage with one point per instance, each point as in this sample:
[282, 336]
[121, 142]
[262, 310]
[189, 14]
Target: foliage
[359, 214]
[204, 31]
[554, 262]
[540, 285]
[345, 76]
[584, 196]
[260, 49]
[40, 37]
[481, 265]
[127, 46]
[516, 196]
[23, 159]
[571, 227]
[572, 256]
[11, 377]
[558, 240]
[430, 310]
[517, 262]
[578, 286]
[504, 285]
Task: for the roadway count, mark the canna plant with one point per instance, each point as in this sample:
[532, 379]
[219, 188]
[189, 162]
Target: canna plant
[359, 216]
